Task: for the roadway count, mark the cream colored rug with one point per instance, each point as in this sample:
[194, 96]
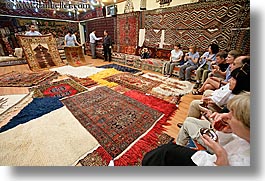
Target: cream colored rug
[55, 139]
[170, 86]
[80, 72]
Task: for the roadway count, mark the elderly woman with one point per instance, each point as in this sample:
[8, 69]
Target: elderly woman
[231, 148]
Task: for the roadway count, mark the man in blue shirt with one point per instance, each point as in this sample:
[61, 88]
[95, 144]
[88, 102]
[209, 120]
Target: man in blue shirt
[92, 40]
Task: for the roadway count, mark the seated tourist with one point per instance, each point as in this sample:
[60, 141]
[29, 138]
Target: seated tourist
[191, 63]
[206, 61]
[229, 146]
[213, 83]
[215, 100]
[175, 59]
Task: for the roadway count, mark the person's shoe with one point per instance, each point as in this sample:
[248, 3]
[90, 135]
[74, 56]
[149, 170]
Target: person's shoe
[196, 86]
[179, 125]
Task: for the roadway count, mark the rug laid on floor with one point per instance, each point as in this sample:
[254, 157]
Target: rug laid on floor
[80, 72]
[169, 86]
[120, 68]
[62, 88]
[134, 82]
[12, 63]
[54, 139]
[87, 82]
[115, 120]
[8, 101]
[26, 79]
[75, 56]
[35, 109]
[41, 51]
[149, 141]
[100, 77]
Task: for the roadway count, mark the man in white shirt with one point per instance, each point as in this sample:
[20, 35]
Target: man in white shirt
[32, 31]
[92, 40]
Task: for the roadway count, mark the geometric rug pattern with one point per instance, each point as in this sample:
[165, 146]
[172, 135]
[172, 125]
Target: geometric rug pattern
[26, 79]
[115, 120]
[132, 81]
[120, 68]
[200, 24]
[74, 55]
[41, 51]
[62, 88]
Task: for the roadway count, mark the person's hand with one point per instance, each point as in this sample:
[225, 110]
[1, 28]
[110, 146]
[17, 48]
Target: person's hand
[220, 152]
[217, 117]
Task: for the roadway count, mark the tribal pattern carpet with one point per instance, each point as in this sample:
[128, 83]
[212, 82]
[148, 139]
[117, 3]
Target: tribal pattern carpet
[115, 120]
[199, 23]
[62, 88]
[87, 82]
[41, 51]
[154, 138]
[134, 81]
[128, 29]
[120, 68]
[169, 86]
[26, 79]
[75, 56]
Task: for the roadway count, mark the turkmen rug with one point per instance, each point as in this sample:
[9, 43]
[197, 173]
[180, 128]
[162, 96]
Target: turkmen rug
[26, 79]
[62, 88]
[41, 51]
[120, 68]
[149, 141]
[75, 56]
[115, 120]
[134, 82]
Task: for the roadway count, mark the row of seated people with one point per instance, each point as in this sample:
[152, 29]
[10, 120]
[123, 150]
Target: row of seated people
[219, 121]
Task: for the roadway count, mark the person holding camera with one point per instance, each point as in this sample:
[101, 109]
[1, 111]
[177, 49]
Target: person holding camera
[232, 147]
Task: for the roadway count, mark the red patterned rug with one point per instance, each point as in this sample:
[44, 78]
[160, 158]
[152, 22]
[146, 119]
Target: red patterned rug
[41, 51]
[62, 88]
[87, 82]
[133, 81]
[151, 140]
[26, 79]
[75, 56]
[115, 120]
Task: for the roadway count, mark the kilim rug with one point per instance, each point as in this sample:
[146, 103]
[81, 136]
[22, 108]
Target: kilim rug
[134, 82]
[115, 120]
[26, 79]
[169, 86]
[120, 68]
[75, 56]
[35, 109]
[100, 77]
[54, 139]
[149, 141]
[41, 51]
[62, 88]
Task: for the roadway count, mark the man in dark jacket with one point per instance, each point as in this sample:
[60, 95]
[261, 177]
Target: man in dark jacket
[107, 43]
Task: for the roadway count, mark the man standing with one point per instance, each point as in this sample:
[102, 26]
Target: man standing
[32, 31]
[107, 46]
[92, 40]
